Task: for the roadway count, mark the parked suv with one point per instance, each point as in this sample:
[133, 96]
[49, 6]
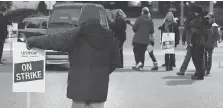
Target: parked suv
[33, 26]
[17, 16]
[63, 17]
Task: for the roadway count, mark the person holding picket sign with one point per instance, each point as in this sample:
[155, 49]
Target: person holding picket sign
[170, 26]
[93, 55]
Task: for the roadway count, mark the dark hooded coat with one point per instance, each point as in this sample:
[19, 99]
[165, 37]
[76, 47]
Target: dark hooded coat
[3, 27]
[93, 55]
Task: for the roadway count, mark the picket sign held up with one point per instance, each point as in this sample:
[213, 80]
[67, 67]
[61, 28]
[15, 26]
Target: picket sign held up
[28, 70]
[168, 43]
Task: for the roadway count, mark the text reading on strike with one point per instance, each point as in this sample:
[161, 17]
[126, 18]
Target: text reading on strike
[28, 71]
[29, 75]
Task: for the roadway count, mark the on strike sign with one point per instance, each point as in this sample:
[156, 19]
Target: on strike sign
[28, 69]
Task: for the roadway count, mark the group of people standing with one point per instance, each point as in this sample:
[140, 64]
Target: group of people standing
[201, 34]
[143, 39]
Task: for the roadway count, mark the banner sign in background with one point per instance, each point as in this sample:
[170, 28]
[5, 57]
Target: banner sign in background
[168, 43]
[28, 69]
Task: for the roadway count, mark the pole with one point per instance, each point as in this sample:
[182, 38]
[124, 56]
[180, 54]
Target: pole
[211, 7]
[182, 13]
[49, 7]
[28, 100]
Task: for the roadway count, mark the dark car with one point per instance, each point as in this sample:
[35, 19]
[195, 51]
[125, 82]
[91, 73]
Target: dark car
[34, 26]
[63, 17]
[18, 15]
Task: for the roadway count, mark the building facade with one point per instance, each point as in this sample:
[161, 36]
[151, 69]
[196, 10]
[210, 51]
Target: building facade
[30, 4]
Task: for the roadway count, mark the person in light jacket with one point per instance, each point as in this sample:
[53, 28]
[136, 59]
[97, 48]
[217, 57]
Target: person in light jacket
[186, 38]
[170, 26]
[93, 55]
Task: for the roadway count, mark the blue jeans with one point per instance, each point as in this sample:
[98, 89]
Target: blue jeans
[187, 58]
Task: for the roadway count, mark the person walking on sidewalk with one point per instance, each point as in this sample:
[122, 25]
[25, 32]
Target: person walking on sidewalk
[186, 38]
[170, 26]
[93, 54]
[144, 29]
[118, 26]
[3, 33]
[213, 36]
[199, 32]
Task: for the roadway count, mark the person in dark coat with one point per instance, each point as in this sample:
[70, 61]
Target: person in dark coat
[143, 29]
[171, 26]
[93, 55]
[199, 34]
[186, 38]
[118, 26]
[211, 41]
[3, 34]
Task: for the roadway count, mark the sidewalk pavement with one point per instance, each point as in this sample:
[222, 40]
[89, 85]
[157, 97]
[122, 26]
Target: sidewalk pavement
[128, 88]
[129, 58]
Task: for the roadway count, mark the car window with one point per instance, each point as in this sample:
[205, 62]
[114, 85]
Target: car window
[65, 15]
[22, 24]
[35, 23]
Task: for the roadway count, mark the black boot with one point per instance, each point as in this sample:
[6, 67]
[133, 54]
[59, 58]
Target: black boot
[174, 61]
[197, 77]
[169, 68]
[207, 73]
[155, 66]
[164, 65]
[180, 73]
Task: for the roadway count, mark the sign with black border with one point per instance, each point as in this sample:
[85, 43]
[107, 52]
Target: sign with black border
[28, 69]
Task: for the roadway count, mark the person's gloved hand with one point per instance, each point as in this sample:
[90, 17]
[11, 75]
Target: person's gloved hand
[28, 43]
[152, 43]
[27, 46]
